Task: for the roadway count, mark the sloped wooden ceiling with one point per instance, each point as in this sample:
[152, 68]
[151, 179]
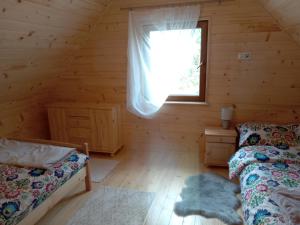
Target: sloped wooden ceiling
[36, 39]
[287, 13]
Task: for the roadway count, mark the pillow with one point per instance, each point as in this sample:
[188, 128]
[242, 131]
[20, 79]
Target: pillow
[280, 136]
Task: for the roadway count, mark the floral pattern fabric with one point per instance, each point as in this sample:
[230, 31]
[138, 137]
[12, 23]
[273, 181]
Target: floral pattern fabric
[280, 136]
[297, 132]
[263, 170]
[23, 189]
[261, 154]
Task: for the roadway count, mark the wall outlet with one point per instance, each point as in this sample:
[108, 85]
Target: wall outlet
[244, 56]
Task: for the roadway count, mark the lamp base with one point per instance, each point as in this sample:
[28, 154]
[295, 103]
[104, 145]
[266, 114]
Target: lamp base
[225, 124]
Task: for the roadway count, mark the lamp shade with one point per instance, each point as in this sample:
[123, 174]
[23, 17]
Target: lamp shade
[226, 113]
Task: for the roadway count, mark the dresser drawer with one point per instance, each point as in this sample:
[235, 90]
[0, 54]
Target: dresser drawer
[220, 139]
[79, 133]
[218, 154]
[78, 122]
[81, 113]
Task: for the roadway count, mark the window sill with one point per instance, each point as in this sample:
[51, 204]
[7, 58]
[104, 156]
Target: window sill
[185, 103]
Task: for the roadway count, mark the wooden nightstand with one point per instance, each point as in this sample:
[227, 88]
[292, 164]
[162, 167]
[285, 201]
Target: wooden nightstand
[220, 144]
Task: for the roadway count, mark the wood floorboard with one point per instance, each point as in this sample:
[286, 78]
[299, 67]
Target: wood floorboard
[162, 172]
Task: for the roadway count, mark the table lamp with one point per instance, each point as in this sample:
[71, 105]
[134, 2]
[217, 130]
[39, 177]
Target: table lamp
[226, 116]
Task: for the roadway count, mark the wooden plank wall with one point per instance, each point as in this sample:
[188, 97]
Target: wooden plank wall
[287, 13]
[265, 88]
[37, 38]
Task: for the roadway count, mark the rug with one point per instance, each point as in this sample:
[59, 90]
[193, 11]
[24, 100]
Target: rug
[114, 206]
[211, 196]
[100, 168]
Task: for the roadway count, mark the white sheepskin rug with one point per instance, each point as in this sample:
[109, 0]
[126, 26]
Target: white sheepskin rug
[211, 196]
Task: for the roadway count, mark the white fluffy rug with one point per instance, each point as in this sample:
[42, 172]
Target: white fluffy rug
[211, 196]
[114, 206]
[100, 168]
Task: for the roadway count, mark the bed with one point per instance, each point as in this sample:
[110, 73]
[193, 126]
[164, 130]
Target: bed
[267, 164]
[27, 193]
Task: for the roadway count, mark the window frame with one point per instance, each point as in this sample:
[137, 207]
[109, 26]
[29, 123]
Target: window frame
[203, 24]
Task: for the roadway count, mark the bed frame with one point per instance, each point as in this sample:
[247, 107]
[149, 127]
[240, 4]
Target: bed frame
[83, 175]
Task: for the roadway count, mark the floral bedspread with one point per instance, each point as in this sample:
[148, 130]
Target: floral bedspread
[263, 170]
[23, 189]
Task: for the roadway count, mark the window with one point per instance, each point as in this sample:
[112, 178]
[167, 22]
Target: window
[165, 48]
[191, 44]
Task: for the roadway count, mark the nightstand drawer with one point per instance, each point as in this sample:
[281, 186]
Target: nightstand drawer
[218, 154]
[221, 139]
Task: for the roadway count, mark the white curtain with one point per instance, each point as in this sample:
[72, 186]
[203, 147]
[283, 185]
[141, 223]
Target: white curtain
[156, 57]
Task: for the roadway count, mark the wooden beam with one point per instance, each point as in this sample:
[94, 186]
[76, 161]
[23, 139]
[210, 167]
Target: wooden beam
[173, 4]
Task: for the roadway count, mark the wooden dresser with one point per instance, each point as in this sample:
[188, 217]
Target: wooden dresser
[220, 145]
[97, 124]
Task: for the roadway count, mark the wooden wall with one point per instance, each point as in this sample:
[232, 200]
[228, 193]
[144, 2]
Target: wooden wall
[287, 13]
[37, 38]
[76, 51]
[265, 88]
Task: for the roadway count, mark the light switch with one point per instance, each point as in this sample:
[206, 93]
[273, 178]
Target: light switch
[244, 56]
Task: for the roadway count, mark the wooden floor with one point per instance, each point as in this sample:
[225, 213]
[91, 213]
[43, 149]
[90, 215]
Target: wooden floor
[162, 172]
